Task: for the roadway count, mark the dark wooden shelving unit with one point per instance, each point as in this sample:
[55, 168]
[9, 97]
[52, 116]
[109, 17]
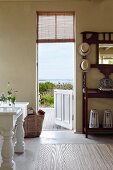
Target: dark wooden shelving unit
[94, 93]
[94, 38]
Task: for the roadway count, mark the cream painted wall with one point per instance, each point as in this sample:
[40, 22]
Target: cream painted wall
[18, 48]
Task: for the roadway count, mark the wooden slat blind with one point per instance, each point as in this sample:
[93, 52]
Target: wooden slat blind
[55, 27]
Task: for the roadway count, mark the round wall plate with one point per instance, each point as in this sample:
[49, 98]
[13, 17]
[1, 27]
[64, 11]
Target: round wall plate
[84, 65]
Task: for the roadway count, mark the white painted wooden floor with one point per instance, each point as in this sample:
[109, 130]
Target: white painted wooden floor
[75, 157]
[49, 120]
[28, 160]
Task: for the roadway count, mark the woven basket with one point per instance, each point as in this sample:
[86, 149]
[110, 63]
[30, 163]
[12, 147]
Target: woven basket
[33, 125]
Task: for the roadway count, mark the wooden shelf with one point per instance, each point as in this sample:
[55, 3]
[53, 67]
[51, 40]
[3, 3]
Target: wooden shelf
[96, 93]
[98, 130]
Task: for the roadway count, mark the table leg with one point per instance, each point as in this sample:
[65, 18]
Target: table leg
[7, 152]
[19, 144]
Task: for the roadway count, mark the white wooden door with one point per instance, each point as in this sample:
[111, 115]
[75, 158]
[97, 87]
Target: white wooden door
[63, 107]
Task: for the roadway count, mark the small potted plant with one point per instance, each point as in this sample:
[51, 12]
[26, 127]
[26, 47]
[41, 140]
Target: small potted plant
[10, 97]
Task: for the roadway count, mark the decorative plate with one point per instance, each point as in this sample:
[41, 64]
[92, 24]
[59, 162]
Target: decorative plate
[106, 84]
[84, 65]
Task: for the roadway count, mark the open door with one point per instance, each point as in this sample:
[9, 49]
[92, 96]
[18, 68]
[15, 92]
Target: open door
[63, 106]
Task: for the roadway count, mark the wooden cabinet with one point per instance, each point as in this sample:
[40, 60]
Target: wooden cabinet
[96, 38]
[93, 93]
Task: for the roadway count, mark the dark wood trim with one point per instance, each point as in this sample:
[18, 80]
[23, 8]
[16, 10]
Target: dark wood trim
[106, 69]
[97, 53]
[94, 37]
[55, 40]
[99, 94]
[97, 38]
[47, 13]
[83, 98]
[90, 37]
[98, 130]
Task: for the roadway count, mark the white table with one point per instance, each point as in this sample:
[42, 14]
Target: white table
[9, 116]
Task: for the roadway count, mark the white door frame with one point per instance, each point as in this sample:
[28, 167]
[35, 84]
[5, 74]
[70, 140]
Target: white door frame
[74, 87]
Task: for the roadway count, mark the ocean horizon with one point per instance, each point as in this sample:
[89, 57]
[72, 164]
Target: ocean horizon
[56, 81]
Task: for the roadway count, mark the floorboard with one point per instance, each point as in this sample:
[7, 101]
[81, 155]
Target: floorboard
[75, 157]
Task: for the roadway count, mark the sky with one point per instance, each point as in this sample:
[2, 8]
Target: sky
[55, 60]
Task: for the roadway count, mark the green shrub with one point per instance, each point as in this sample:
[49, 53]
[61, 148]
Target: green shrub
[46, 87]
[47, 100]
[46, 91]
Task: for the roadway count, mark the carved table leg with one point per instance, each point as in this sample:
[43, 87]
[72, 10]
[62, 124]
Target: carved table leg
[7, 151]
[19, 144]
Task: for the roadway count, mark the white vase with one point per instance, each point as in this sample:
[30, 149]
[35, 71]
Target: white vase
[94, 119]
[107, 119]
